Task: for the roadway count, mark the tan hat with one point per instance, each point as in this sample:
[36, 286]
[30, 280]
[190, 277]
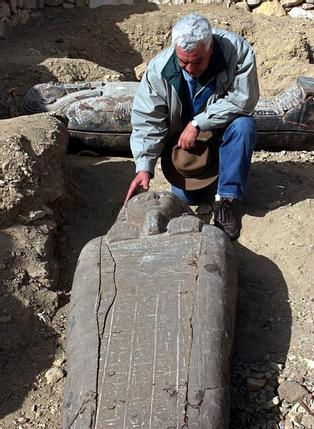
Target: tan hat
[191, 169]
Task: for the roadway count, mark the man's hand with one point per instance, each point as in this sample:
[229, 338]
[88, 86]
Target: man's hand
[187, 139]
[141, 180]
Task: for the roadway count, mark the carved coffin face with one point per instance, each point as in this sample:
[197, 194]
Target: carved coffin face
[153, 210]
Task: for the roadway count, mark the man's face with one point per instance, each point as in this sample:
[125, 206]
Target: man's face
[194, 62]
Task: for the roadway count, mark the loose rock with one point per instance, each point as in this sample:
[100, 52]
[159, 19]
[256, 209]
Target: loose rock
[272, 403]
[291, 391]
[299, 12]
[290, 3]
[270, 8]
[254, 384]
[53, 375]
[254, 3]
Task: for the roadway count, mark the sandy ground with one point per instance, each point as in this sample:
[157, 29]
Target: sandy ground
[274, 334]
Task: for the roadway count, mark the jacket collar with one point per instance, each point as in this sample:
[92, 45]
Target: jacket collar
[216, 64]
[172, 72]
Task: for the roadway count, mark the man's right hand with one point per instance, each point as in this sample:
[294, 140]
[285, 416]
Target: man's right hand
[141, 180]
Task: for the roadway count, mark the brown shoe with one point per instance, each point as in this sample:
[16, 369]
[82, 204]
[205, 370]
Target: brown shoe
[225, 219]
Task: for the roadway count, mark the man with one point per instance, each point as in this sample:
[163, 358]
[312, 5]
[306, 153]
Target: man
[206, 80]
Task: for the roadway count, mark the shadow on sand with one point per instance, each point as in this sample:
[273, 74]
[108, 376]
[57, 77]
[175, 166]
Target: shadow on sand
[273, 184]
[98, 187]
[262, 338]
[264, 318]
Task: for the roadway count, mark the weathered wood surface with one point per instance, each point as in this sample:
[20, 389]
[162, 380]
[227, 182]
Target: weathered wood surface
[150, 331]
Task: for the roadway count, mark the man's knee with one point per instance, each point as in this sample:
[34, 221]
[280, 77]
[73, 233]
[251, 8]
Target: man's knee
[242, 131]
[244, 126]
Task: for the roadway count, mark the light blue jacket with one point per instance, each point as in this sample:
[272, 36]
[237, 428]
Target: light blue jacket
[160, 107]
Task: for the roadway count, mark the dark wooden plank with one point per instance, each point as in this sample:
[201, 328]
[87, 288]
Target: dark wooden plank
[87, 314]
[151, 332]
[213, 327]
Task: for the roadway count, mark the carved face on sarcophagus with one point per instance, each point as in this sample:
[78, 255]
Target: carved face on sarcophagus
[148, 213]
[152, 211]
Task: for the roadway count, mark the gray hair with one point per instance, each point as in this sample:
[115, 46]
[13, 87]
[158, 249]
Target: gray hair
[190, 31]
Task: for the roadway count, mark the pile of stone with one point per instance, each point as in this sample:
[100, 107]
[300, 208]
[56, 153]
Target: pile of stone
[32, 187]
[294, 8]
[15, 12]
[12, 13]
[264, 396]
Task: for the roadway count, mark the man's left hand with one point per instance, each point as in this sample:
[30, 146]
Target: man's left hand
[187, 139]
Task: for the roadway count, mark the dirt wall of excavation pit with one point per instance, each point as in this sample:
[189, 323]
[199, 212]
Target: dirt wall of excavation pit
[32, 187]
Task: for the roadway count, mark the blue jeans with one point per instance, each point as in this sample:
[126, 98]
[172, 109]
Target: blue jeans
[235, 153]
